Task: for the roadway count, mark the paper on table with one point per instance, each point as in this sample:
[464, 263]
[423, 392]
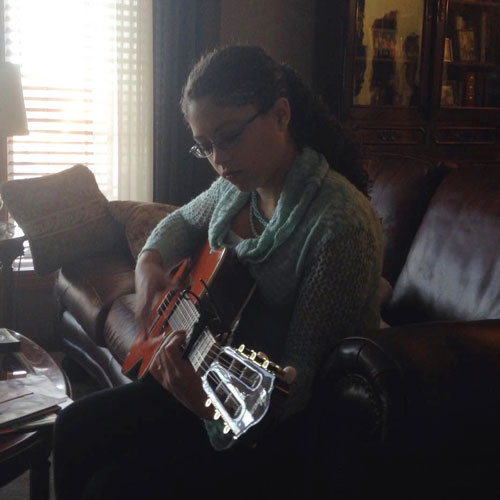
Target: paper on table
[27, 398]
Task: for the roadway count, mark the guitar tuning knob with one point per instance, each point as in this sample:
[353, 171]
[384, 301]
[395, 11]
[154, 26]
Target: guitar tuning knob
[263, 355]
[217, 415]
[208, 402]
[226, 429]
[289, 374]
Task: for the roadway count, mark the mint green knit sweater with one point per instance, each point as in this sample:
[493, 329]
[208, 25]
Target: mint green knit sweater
[319, 256]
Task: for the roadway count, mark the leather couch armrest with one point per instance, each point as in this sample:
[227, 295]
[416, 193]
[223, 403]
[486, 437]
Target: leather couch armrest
[424, 390]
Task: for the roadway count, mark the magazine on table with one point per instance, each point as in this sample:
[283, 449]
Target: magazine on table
[29, 402]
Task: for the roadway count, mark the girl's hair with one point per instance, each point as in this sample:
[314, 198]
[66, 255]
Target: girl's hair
[243, 75]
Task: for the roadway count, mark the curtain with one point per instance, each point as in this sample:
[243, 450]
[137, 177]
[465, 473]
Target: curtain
[134, 109]
[87, 75]
[182, 31]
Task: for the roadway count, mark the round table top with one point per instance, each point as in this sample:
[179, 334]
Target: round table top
[36, 361]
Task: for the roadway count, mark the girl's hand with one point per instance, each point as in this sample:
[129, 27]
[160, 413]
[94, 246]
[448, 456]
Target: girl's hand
[150, 279]
[178, 376]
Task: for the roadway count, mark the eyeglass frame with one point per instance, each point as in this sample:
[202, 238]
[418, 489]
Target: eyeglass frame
[197, 149]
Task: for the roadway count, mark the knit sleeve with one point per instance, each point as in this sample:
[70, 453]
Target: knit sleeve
[338, 297]
[179, 234]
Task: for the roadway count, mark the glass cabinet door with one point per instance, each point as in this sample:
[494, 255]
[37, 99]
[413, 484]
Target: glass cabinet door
[387, 53]
[471, 54]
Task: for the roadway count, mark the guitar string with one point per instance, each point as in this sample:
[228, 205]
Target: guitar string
[161, 309]
[185, 317]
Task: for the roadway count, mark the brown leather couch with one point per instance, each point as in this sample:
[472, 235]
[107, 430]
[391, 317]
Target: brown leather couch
[96, 294]
[407, 411]
[95, 297]
[415, 408]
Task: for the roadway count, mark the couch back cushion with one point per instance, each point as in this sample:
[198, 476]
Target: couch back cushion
[453, 268]
[138, 220]
[401, 189]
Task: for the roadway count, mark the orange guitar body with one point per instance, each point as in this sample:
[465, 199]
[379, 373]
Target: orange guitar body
[205, 265]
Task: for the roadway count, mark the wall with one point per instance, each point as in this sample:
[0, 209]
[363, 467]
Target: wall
[285, 28]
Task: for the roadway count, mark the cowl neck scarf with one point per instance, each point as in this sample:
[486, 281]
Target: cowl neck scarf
[299, 189]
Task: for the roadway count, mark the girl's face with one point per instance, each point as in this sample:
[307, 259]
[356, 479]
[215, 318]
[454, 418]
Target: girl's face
[251, 150]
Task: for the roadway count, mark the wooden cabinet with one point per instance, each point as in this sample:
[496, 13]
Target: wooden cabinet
[417, 77]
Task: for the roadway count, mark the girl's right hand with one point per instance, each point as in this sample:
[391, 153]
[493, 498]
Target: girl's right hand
[151, 278]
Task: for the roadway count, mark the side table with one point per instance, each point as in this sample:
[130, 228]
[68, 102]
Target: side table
[11, 247]
[24, 451]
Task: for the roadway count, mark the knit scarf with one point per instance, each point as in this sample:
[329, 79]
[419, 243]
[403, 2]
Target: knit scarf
[300, 187]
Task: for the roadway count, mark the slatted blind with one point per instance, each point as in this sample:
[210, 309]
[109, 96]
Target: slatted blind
[70, 52]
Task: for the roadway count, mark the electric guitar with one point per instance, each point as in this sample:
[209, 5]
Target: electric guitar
[238, 382]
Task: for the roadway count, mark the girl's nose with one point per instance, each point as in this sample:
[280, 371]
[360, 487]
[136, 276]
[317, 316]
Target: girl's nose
[219, 157]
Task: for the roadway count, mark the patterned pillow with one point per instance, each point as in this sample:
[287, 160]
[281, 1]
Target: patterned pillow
[64, 216]
[139, 219]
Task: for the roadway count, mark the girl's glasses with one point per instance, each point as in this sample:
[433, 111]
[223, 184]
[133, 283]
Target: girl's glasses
[223, 143]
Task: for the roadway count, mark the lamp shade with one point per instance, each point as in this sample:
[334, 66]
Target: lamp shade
[12, 110]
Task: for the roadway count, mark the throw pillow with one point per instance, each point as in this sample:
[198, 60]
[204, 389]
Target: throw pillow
[64, 216]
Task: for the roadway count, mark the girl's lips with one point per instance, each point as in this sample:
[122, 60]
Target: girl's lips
[231, 175]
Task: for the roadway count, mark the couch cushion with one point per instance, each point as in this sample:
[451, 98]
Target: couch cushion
[453, 270]
[64, 216]
[401, 189]
[88, 288]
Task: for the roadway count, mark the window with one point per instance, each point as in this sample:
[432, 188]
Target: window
[86, 67]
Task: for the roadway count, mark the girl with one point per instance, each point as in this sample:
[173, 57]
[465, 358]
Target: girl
[291, 201]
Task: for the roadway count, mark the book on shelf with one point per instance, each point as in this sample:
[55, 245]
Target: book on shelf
[483, 42]
[470, 89]
[467, 45]
[29, 402]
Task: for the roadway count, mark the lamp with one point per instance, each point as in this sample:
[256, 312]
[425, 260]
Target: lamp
[12, 110]
[12, 114]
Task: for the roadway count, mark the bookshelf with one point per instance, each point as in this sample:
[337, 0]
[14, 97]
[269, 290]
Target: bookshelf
[471, 57]
[414, 77]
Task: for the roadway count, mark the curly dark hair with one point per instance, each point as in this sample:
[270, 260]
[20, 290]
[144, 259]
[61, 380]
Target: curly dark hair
[240, 75]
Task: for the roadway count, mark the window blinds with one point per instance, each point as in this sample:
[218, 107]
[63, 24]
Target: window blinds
[86, 68]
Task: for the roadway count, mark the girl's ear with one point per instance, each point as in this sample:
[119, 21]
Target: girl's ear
[282, 112]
